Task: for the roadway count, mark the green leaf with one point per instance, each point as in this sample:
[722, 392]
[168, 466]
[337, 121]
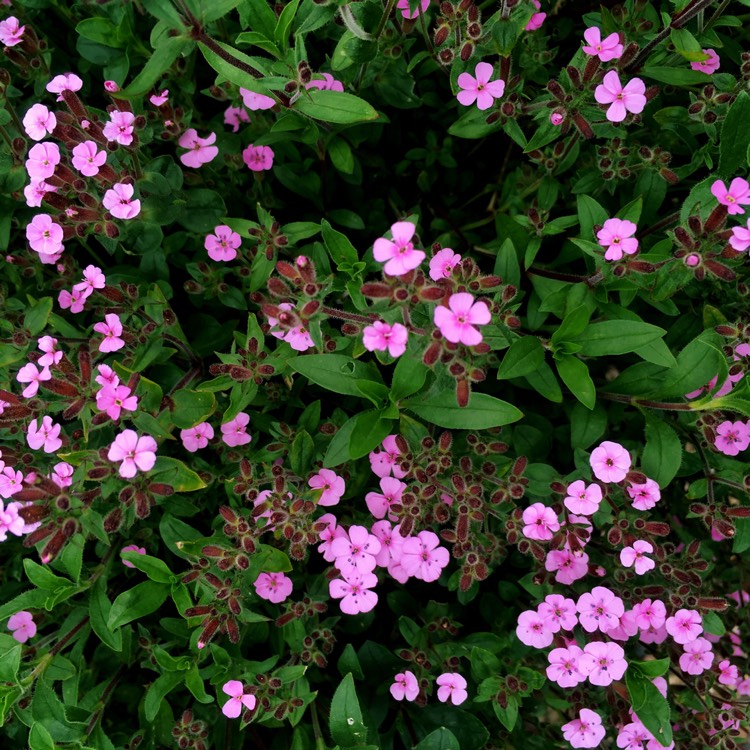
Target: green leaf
[589, 213]
[301, 453]
[616, 337]
[370, 429]
[652, 668]
[687, 45]
[345, 721]
[349, 662]
[339, 248]
[174, 473]
[573, 324]
[35, 320]
[260, 85]
[676, 76]
[258, 14]
[137, 602]
[524, 356]
[155, 568]
[338, 449]
[341, 155]
[507, 716]
[10, 658]
[662, 455]
[99, 610]
[587, 425]
[696, 364]
[191, 408]
[48, 710]
[335, 372]
[335, 106]
[482, 411]
[409, 376]
[712, 624]
[650, 705]
[735, 136]
[42, 577]
[543, 381]
[158, 691]
[194, 684]
[40, 738]
[284, 24]
[32, 599]
[575, 374]
[156, 65]
[440, 739]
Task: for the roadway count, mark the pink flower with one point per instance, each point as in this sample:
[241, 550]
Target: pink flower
[355, 552]
[10, 521]
[119, 129]
[119, 201]
[258, 158]
[329, 533]
[644, 496]
[379, 503]
[391, 543]
[384, 460]
[633, 736]
[736, 196]
[223, 244]
[650, 614]
[72, 300]
[603, 663]
[42, 160]
[740, 239]
[456, 322]
[132, 548]
[536, 21]
[234, 432]
[557, 118]
[38, 122]
[44, 235]
[136, 453]
[599, 610]
[568, 567]
[381, 336]
[609, 49]
[452, 688]
[709, 66]
[582, 499]
[11, 34]
[158, 99]
[10, 482]
[31, 375]
[534, 630]
[558, 612]
[443, 263]
[540, 522]
[398, 254]
[728, 673]
[234, 116]
[35, 191]
[196, 437]
[200, 150]
[111, 87]
[331, 483]
[113, 399]
[698, 657]
[610, 462]
[617, 237]
[684, 626]
[403, 6]
[480, 89]
[622, 100]
[354, 592]
[87, 158]
[422, 558]
[585, 731]
[329, 83]
[21, 624]
[93, 278]
[732, 437]
[637, 555]
[111, 329]
[106, 376]
[44, 436]
[405, 685]
[275, 587]
[237, 699]
[564, 668]
[255, 101]
[66, 82]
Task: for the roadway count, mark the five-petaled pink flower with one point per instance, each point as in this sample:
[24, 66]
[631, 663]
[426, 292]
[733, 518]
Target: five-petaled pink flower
[568, 567]
[258, 158]
[22, 626]
[379, 503]
[650, 614]
[93, 278]
[381, 336]
[30, 374]
[64, 82]
[11, 32]
[536, 20]
[42, 160]
[698, 657]
[45, 436]
[255, 101]
[603, 662]
[136, 453]
[10, 521]
[354, 592]
[633, 736]
[599, 609]
[38, 122]
[478, 87]
[729, 674]
[423, 558]
[732, 437]
[132, 548]
[329, 83]
[740, 239]
[223, 243]
[644, 496]
[384, 460]
[636, 555]
[605, 49]
[196, 437]
[617, 237]
[44, 235]
[200, 150]
[398, 254]
[452, 688]
[113, 399]
[586, 730]
[403, 6]
[610, 462]
[234, 117]
[558, 612]
[237, 699]
[275, 587]
[583, 500]
[685, 625]
[119, 201]
[332, 485]
[734, 197]
[234, 432]
[119, 129]
[405, 685]
[534, 630]
[540, 522]
[622, 99]
[51, 356]
[443, 263]
[87, 158]
[456, 322]
[708, 66]
[111, 329]
[564, 666]
[355, 552]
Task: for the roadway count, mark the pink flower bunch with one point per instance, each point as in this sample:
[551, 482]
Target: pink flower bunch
[398, 253]
[478, 87]
[93, 279]
[616, 236]
[621, 99]
[732, 437]
[114, 399]
[275, 587]
[200, 151]
[733, 197]
[223, 243]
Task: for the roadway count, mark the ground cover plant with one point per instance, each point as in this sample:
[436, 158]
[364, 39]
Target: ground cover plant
[374, 374]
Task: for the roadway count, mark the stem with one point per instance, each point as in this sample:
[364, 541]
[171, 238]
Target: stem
[103, 700]
[137, 166]
[364, 319]
[226, 56]
[590, 281]
[665, 222]
[633, 401]
[320, 743]
[715, 16]
[390, 5]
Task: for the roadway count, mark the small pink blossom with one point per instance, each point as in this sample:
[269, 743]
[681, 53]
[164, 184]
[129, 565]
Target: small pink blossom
[610, 462]
[740, 239]
[65, 82]
[35, 191]
[21, 624]
[11, 32]
[196, 437]
[586, 730]
[87, 158]
[234, 117]
[622, 99]
[698, 657]
[355, 552]
[136, 453]
[111, 329]
[405, 685]
[93, 278]
[62, 474]
[728, 673]
[223, 243]
[111, 87]
[119, 201]
[536, 21]
[113, 399]
[564, 666]
[709, 66]
[540, 522]
[457, 321]
[234, 432]
[119, 129]
[534, 630]
[200, 150]
[633, 736]
[384, 460]
[44, 235]
[636, 555]
[10, 521]
[558, 612]
[258, 158]
[650, 614]
[255, 101]
[39, 122]
[732, 437]
[478, 88]
[391, 543]
[603, 663]
[73, 300]
[443, 263]
[354, 592]
[684, 626]
[423, 558]
[379, 503]
[644, 496]
[332, 485]
[132, 548]
[607, 49]
[106, 376]
[45, 436]
[557, 118]
[398, 254]
[275, 587]
[381, 336]
[452, 688]
[617, 237]
[567, 566]
[734, 197]
[30, 374]
[159, 99]
[329, 83]
[582, 499]
[599, 609]
[328, 534]
[238, 699]
[42, 160]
